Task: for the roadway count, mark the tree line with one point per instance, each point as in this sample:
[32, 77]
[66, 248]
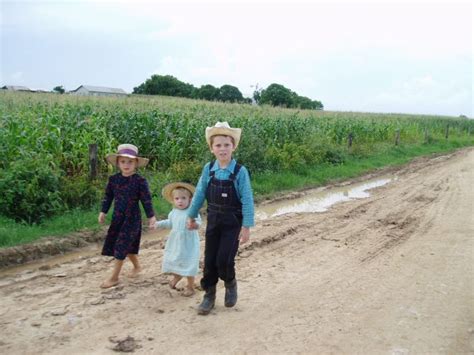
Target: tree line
[274, 95]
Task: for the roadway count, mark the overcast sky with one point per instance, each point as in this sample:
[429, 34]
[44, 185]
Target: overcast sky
[405, 56]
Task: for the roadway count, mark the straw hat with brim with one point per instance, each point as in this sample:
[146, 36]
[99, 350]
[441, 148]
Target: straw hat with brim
[167, 191]
[129, 151]
[223, 129]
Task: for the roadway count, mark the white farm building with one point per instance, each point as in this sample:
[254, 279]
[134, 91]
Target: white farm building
[88, 90]
[15, 88]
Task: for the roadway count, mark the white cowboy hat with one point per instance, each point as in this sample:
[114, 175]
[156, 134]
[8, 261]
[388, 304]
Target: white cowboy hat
[223, 129]
[167, 191]
[129, 151]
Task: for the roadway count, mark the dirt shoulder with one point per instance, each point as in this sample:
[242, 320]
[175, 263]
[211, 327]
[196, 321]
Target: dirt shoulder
[388, 274]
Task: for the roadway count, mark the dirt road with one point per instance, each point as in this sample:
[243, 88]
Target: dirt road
[390, 274]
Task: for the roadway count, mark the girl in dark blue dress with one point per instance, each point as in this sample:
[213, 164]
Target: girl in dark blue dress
[127, 188]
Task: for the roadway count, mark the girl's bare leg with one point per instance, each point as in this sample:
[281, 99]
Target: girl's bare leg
[136, 265]
[189, 287]
[114, 279]
[175, 280]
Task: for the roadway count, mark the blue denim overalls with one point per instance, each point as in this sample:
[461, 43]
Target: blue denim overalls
[224, 222]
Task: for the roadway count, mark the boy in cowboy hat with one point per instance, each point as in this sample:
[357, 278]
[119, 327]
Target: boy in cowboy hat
[181, 256]
[126, 188]
[225, 185]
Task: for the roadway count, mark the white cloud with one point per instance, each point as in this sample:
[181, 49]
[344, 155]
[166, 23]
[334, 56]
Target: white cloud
[423, 95]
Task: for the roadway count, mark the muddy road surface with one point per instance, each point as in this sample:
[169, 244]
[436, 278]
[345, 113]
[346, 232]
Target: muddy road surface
[388, 274]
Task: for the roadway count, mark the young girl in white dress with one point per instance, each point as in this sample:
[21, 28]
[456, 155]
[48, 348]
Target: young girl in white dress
[181, 256]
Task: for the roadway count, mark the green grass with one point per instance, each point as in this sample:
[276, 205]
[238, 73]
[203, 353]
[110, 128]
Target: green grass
[264, 185]
[12, 233]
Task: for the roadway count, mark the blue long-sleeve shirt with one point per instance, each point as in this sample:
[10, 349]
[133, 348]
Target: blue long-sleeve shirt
[242, 186]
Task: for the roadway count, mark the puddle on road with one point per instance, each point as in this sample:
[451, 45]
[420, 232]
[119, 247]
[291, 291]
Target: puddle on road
[319, 200]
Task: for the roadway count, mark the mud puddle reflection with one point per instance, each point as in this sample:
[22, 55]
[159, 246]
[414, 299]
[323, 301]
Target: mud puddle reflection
[320, 200]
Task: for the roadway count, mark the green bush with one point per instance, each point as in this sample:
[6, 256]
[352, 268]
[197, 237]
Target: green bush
[334, 155]
[361, 150]
[186, 171]
[290, 156]
[30, 190]
[322, 151]
[80, 192]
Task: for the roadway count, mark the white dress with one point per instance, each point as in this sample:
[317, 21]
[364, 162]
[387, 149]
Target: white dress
[182, 248]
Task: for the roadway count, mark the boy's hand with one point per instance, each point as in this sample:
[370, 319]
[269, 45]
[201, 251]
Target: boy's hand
[151, 222]
[244, 235]
[191, 224]
[101, 217]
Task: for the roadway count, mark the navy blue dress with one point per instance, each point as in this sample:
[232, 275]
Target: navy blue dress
[123, 236]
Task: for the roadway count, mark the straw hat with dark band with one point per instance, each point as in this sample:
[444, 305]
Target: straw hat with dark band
[129, 151]
[223, 129]
[167, 191]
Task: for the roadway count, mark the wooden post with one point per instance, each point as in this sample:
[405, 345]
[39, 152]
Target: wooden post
[426, 135]
[93, 161]
[349, 139]
[397, 137]
[447, 131]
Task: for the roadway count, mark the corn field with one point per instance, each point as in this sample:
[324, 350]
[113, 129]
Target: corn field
[38, 130]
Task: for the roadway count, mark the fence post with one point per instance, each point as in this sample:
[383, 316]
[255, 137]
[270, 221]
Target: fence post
[93, 160]
[397, 137]
[447, 131]
[349, 139]
[426, 135]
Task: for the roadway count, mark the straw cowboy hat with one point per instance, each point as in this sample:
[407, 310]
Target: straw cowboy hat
[167, 191]
[129, 151]
[223, 129]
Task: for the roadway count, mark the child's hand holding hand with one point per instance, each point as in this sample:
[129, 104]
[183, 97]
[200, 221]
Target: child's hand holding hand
[151, 222]
[244, 235]
[192, 224]
[101, 217]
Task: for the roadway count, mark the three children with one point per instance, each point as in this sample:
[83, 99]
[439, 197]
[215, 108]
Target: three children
[224, 184]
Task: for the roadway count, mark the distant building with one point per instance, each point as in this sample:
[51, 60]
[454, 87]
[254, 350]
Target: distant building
[87, 90]
[15, 88]
[44, 91]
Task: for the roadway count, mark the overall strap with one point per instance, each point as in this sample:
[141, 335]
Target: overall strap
[211, 173]
[236, 171]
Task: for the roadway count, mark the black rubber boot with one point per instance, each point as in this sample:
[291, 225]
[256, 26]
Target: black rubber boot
[230, 293]
[208, 301]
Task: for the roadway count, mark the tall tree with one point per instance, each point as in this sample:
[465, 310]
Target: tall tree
[229, 93]
[277, 95]
[208, 92]
[59, 89]
[166, 85]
